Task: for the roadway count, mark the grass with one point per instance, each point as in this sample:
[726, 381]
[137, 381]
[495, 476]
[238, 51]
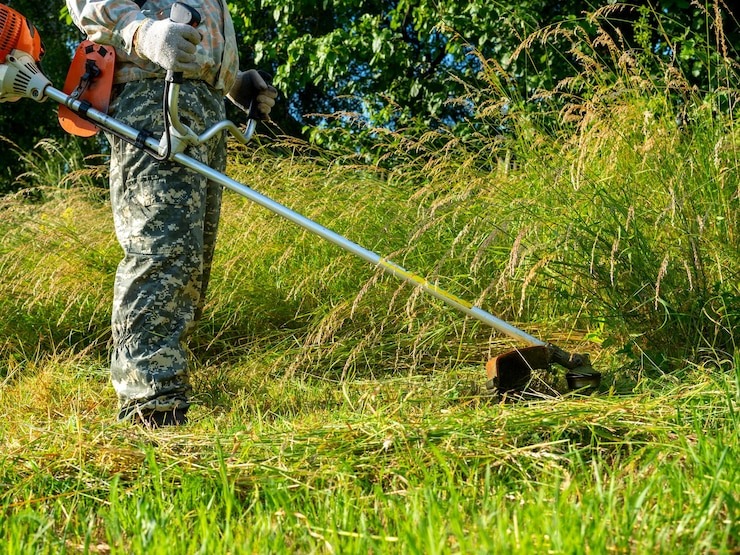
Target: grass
[394, 465]
[339, 411]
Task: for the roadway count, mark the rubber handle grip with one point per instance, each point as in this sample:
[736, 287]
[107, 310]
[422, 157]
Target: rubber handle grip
[253, 112]
[182, 13]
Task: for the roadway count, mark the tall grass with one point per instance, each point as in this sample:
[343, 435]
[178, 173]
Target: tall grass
[52, 165]
[339, 411]
[613, 196]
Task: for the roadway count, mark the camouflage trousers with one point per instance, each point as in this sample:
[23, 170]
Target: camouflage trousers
[166, 219]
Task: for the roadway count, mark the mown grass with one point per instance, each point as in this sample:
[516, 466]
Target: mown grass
[338, 411]
[393, 465]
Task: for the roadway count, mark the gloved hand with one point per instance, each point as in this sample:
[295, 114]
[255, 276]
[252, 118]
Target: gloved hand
[168, 44]
[253, 94]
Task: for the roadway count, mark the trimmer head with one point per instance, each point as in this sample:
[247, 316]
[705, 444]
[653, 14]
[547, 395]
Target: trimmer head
[511, 372]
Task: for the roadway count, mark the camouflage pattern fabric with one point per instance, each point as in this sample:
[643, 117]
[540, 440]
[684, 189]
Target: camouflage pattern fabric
[166, 219]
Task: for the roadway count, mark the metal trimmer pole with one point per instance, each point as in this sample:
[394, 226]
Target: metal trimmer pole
[152, 145]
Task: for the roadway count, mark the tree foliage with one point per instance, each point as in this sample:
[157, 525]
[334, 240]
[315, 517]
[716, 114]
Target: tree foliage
[405, 63]
[394, 62]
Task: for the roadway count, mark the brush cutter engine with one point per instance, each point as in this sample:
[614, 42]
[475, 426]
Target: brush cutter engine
[21, 51]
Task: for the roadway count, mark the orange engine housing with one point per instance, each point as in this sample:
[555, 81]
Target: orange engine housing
[17, 33]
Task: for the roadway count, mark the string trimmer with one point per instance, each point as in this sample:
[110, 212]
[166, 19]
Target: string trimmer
[83, 104]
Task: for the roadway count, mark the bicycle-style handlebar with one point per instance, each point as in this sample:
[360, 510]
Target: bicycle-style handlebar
[177, 136]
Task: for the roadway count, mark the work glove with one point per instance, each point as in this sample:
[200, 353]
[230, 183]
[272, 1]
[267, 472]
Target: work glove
[253, 93]
[168, 44]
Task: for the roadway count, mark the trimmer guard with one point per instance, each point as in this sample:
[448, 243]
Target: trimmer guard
[512, 371]
[90, 79]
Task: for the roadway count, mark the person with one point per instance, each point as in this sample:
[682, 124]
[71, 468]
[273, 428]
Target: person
[165, 216]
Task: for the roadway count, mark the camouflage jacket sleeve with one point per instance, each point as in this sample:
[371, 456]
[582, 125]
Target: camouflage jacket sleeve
[115, 22]
[112, 22]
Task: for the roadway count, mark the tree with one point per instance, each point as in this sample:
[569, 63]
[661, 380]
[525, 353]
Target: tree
[399, 63]
[390, 60]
